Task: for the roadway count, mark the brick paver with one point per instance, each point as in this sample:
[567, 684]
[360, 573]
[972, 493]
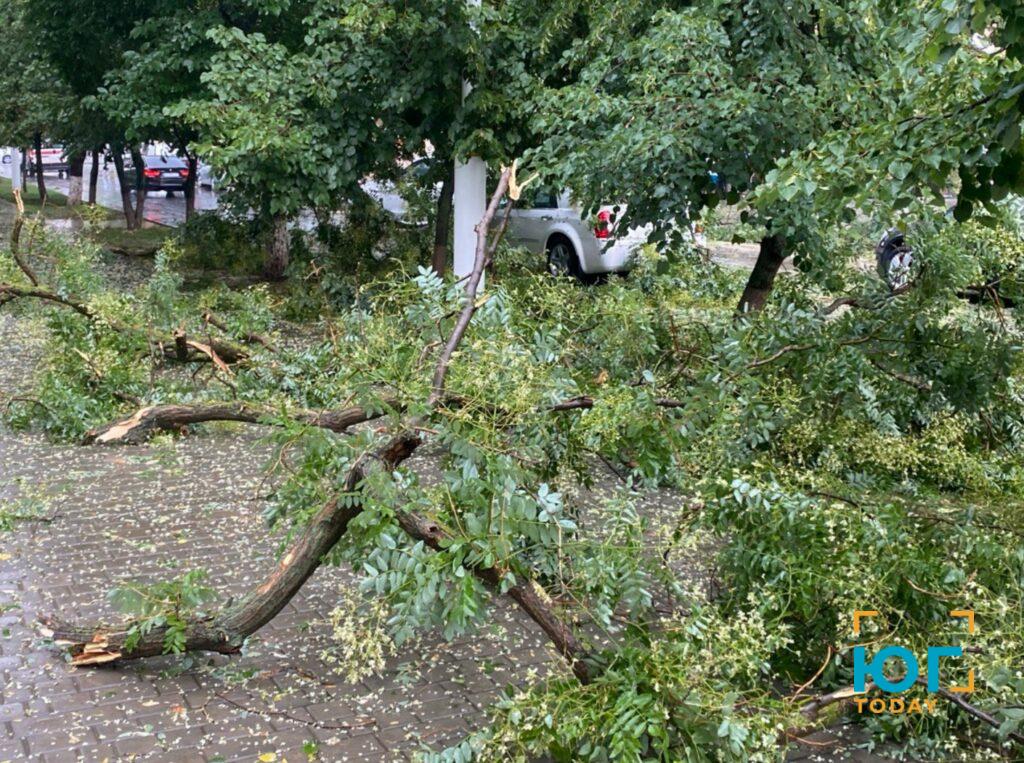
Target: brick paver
[152, 512]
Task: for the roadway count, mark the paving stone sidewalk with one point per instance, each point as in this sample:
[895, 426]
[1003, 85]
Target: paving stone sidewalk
[149, 514]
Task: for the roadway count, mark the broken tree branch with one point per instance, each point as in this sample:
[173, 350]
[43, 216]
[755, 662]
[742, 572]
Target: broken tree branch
[168, 345]
[142, 424]
[526, 594]
[469, 302]
[855, 302]
[247, 337]
[973, 711]
[585, 402]
[226, 631]
[920, 384]
[19, 222]
[10, 292]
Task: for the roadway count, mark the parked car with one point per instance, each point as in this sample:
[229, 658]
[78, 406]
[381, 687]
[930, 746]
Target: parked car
[389, 194]
[549, 223]
[206, 177]
[162, 172]
[54, 160]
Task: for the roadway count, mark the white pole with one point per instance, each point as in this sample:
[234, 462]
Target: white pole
[470, 202]
[15, 169]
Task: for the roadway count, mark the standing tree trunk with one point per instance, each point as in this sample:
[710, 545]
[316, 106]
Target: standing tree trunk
[762, 277]
[140, 186]
[190, 186]
[39, 168]
[439, 260]
[94, 175]
[122, 181]
[276, 261]
[76, 166]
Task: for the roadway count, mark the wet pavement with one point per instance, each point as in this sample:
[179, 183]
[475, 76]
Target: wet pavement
[103, 516]
[160, 209]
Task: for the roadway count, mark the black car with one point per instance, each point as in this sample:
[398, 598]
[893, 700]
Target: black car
[164, 172]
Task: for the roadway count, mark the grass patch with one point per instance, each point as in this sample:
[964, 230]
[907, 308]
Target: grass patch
[134, 243]
[56, 207]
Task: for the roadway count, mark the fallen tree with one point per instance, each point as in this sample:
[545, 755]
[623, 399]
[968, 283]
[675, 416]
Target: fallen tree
[517, 406]
[226, 631]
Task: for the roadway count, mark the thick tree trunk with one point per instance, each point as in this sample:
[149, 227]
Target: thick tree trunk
[762, 277]
[138, 427]
[122, 182]
[439, 259]
[40, 182]
[275, 263]
[94, 175]
[190, 186]
[140, 187]
[76, 166]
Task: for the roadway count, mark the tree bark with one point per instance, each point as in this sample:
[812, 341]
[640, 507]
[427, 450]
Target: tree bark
[140, 187]
[76, 166]
[190, 186]
[275, 262]
[439, 259]
[94, 175]
[19, 260]
[145, 422]
[122, 181]
[40, 182]
[762, 277]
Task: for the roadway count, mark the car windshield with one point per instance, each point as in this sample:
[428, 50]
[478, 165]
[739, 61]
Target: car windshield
[154, 161]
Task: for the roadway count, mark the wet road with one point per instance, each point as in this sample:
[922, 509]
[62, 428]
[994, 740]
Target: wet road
[159, 208]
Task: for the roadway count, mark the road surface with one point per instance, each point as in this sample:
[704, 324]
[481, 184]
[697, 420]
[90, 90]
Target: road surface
[159, 208]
